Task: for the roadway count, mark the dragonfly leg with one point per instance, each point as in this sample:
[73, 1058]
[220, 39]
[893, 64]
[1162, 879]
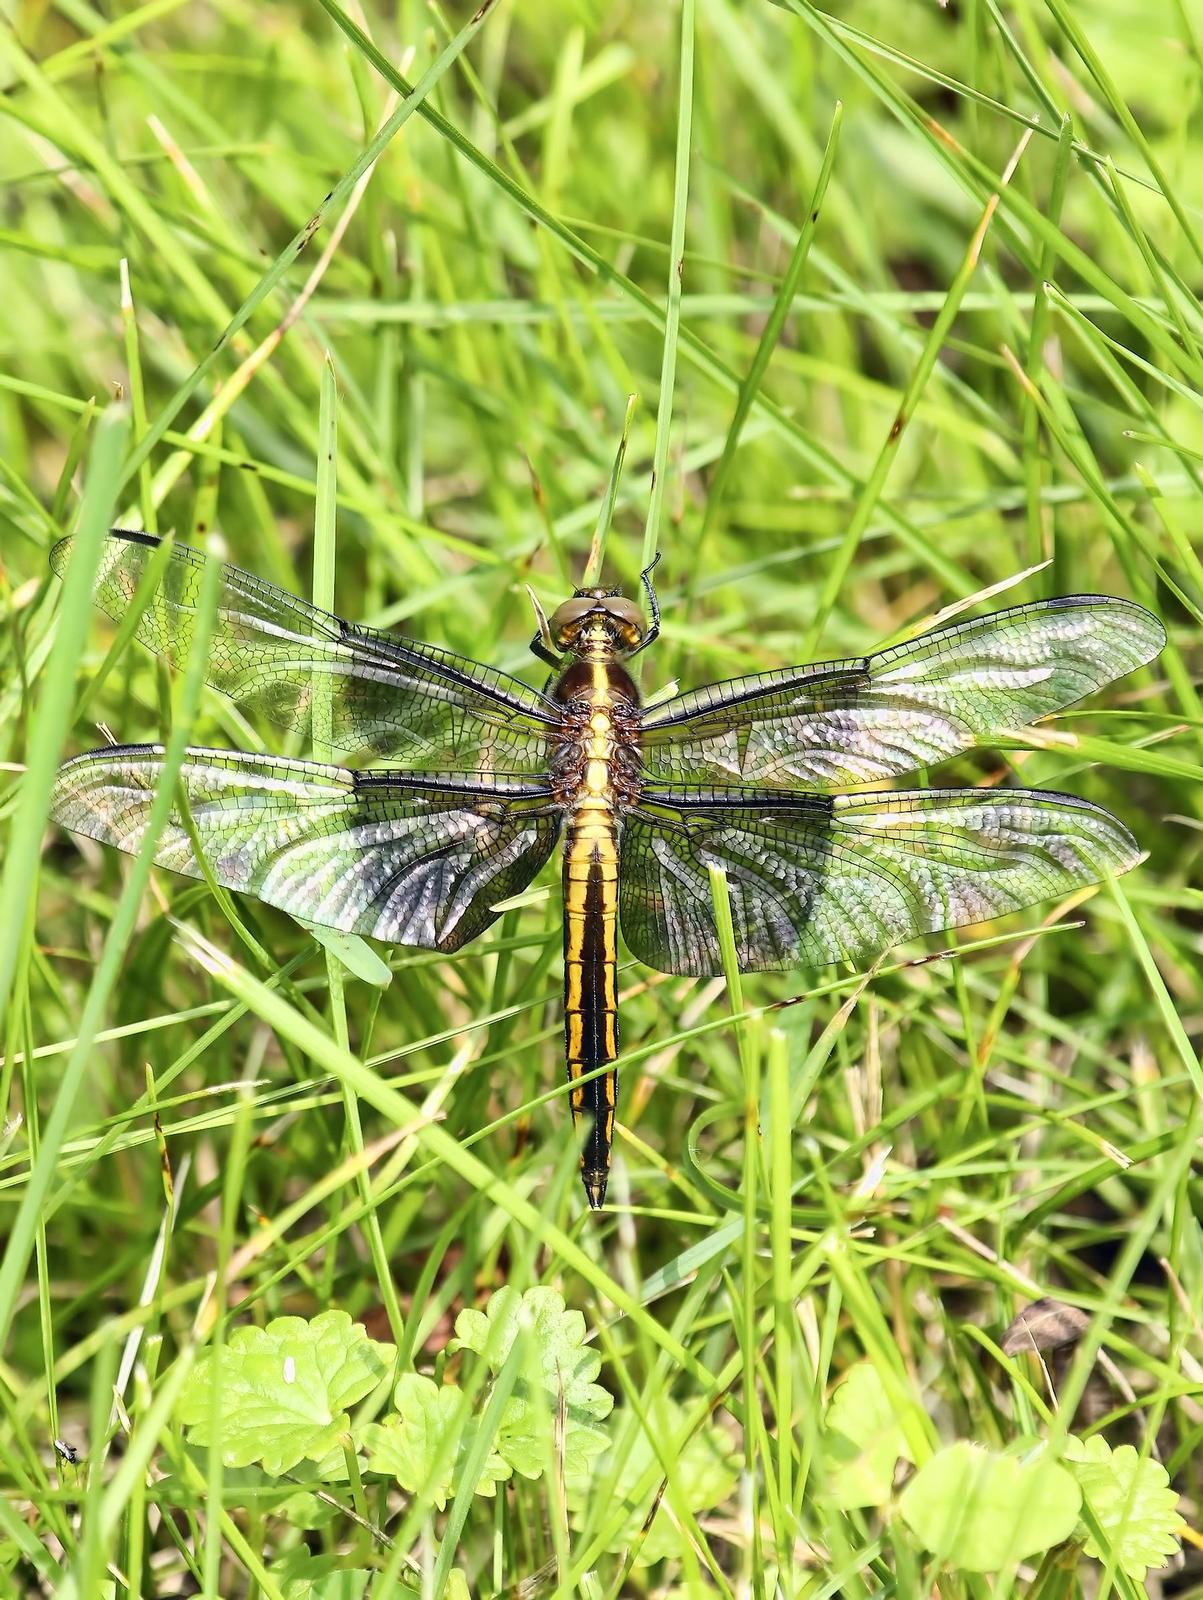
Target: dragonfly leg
[653, 605]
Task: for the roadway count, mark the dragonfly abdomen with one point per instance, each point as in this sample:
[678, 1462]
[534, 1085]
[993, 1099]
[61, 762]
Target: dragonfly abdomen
[590, 984]
[598, 765]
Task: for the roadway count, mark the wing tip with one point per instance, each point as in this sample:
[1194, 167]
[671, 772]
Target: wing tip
[59, 555]
[1119, 849]
[60, 551]
[70, 787]
[1149, 621]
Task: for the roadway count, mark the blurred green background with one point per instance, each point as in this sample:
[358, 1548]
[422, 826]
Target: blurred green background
[1007, 258]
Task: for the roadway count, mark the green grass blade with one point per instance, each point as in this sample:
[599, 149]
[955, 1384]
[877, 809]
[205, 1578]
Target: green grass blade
[676, 275]
[58, 690]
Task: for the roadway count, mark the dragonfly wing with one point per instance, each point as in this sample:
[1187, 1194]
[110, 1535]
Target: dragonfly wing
[844, 723]
[411, 703]
[408, 861]
[844, 877]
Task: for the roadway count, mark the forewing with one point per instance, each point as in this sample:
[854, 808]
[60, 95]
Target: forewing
[846, 877]
[376, 854]
[413, 704]
[844, 723]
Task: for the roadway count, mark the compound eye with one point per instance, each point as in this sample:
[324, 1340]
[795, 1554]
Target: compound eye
[570, 613]
[627, 614]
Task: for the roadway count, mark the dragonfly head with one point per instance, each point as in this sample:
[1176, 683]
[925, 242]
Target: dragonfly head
[597, 619]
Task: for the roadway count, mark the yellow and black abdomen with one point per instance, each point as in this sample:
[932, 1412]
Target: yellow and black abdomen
[590, 984]
[599, 765]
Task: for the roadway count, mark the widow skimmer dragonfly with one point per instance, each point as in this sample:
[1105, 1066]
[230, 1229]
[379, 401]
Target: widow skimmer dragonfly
[485, 775]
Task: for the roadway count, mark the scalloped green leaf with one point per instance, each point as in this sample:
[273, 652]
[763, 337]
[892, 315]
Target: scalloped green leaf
[307, 1508]
[981, 1511]
[555, 1340]
[1131, 1499]
[862, 1442]
[425, 1446]
[308, 1511]
[707, 1472]
[283, 1390]
[557, 1360]
[527, 1439]
[304, 1576]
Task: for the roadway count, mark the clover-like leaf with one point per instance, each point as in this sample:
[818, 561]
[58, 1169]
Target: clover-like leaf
[283, 1390]
[706, 1471]
[862, 1441]
[981, 1511]
[304, 1576]
[425, 1446]
[1131, 1499]
[555, 1360]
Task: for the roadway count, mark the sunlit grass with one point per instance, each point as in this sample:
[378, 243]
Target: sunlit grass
[367, 293]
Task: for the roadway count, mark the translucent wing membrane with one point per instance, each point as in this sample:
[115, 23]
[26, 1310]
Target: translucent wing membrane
[843, 723]
[848, 876]
[413, 704]
[413, 862]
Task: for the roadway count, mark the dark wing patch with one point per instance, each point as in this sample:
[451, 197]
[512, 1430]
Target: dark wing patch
[412, 704]
[386, 856]
[846, 877]
[844, 723]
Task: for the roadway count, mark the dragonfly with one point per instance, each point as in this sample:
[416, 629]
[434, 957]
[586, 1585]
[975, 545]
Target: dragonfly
[768, 778]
